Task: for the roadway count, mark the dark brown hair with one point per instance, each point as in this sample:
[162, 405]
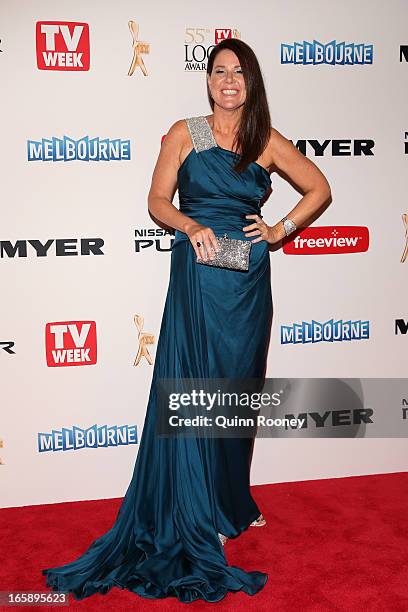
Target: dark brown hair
[254, 130]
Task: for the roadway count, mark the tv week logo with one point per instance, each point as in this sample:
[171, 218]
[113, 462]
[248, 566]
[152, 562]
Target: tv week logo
[62, 45]
[70, 343]
[223, 33]
[329, 239]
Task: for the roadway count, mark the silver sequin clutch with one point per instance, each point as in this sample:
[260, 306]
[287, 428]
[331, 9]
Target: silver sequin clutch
[233, 254]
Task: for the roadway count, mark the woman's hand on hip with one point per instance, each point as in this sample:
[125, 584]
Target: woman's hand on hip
[203, 240]
[261, 230]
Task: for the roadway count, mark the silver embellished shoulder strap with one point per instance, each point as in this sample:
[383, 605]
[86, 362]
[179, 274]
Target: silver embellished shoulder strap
[201, 133]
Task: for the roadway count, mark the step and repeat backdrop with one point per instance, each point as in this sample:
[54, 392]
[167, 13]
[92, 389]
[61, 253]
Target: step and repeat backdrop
[89, 90]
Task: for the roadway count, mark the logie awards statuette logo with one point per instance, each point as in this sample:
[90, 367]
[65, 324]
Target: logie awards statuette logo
[139, 48]
[144, 339]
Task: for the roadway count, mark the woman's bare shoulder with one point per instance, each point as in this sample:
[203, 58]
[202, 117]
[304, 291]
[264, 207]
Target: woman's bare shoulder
[178, 128]
[174, 145]
[279, 146]
[276, 138]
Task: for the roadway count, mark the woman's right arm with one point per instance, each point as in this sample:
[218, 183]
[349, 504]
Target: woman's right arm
[163, 188]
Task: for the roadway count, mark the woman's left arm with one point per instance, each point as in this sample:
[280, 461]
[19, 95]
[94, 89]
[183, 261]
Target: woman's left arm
[303, 173]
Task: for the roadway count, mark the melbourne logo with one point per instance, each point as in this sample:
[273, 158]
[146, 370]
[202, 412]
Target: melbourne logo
[329, 239]
[85, 149]
[62, 247]
[139, 49]
[198, 44]
[156, 238]
[70, 343]
[75, 438]
[329, 331]
[312, 53]
[62, 45]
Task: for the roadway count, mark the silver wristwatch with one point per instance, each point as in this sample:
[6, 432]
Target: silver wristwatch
[288, 225]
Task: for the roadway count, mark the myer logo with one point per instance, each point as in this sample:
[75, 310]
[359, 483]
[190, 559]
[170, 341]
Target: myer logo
[62, 247]
[7, 347]
[70, 343]
[329, 239]
[62, 45]
[401, 326]
[333, 418]
[345, 147]
[403, 53]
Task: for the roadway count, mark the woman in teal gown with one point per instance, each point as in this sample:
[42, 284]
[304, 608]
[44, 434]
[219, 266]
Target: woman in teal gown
[186, 491]
[215, 324]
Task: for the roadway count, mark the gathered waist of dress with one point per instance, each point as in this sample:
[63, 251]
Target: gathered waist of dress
[233, 228]
[221, 218]
[218, 205]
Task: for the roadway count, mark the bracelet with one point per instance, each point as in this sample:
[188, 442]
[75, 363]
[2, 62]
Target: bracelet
[288, 225]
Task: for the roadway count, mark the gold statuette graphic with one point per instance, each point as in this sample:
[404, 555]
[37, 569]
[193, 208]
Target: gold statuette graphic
[1, 446]
[405, 251]
[138, 49]
[144, 340]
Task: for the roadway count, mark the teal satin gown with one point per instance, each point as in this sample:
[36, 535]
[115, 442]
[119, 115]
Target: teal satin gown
[184, 491]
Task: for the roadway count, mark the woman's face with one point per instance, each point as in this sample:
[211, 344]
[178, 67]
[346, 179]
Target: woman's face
[226, 82]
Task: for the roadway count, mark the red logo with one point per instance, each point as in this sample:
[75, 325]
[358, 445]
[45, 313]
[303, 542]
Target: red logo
[329, 239]
[70, 343]
[223, 33]
[62, 45]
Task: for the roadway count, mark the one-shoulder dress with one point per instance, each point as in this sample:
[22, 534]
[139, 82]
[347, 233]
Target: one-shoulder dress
[186, 490]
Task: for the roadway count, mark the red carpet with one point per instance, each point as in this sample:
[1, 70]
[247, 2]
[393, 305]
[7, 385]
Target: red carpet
[336, 544]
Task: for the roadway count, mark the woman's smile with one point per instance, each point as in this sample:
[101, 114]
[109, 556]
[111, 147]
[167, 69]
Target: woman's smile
[230, 92]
